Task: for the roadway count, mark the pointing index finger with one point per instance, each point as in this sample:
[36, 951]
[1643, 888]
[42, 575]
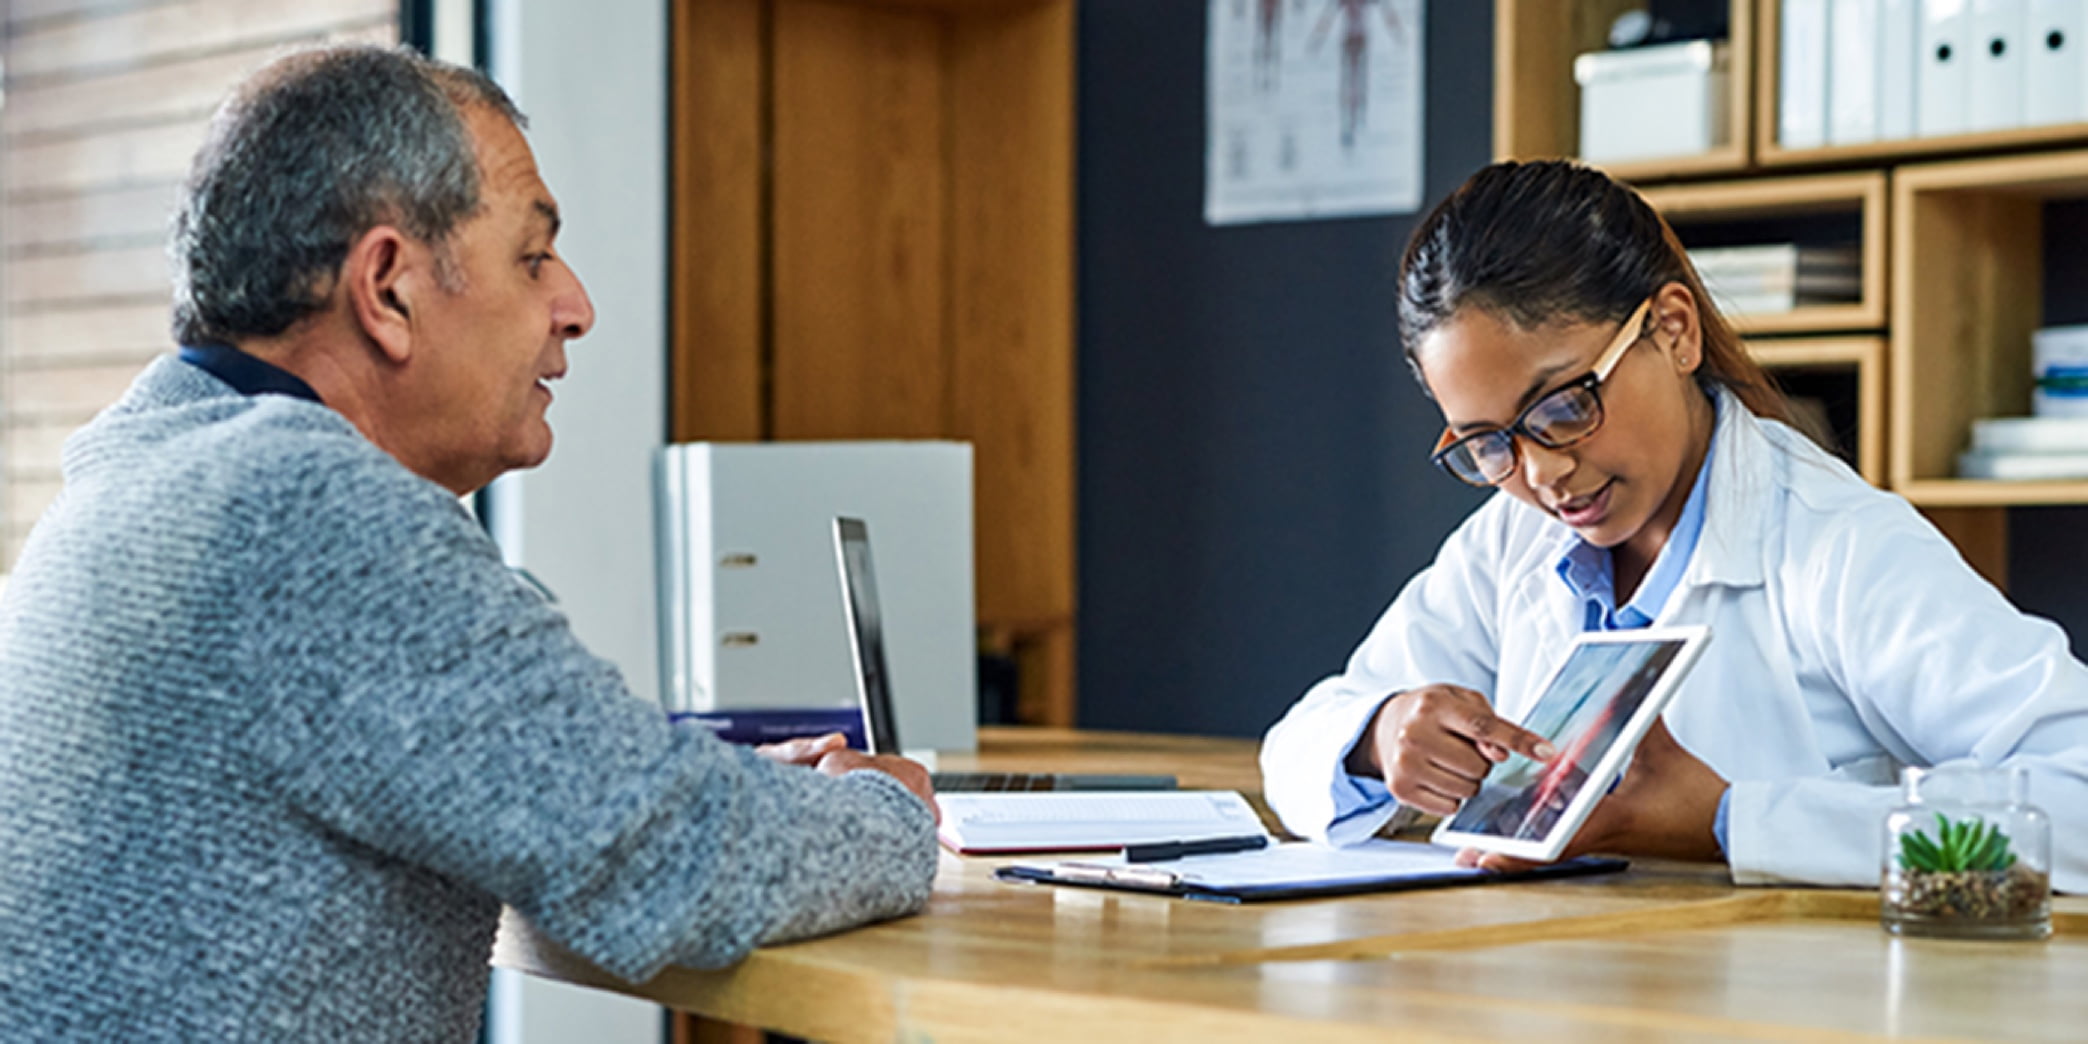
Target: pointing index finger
[1483, 726]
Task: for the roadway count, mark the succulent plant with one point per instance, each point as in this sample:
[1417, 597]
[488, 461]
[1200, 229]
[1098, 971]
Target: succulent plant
[1968, 844]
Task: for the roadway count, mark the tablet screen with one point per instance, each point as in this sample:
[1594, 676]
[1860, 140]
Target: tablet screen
[1598, 704]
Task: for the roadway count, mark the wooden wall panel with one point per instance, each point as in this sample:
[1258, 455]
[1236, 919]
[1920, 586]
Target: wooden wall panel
[106, 103]
[184, 90]
[1012, 373]
[720, 220]
[874, 239]
[21, 12]
[87, 334]
[71, 275]
[25, 499]
[127, 39]
[41, 442]
[858, 245]
[70, 393]
[123, 214]
[1011, 273]
[111, 159]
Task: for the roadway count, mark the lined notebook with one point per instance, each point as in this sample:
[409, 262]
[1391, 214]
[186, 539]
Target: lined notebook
[1061, 821]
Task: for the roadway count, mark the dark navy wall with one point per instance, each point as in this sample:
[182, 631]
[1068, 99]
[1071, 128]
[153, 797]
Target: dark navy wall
[1254, 483]
[2048, 564]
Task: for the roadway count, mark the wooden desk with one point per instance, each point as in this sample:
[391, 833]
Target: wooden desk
[1662, 952]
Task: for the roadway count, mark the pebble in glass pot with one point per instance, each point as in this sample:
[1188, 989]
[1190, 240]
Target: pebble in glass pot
[1967, 857]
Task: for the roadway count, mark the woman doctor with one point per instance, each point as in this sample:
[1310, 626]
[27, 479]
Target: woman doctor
[1648, 474]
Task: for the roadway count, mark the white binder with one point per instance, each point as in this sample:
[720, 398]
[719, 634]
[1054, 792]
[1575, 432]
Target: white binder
[1944, 80]
[2053, 87]
[1801, 105]
[1899, 56]
[1852, 72]
[1802, 76]
[1997, 63]
[750, 606]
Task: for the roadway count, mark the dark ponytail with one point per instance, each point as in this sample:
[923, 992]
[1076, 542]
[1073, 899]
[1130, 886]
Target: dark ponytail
[1550, 240]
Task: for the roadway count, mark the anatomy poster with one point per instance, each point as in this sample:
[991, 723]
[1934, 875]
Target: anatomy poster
[1315, 109]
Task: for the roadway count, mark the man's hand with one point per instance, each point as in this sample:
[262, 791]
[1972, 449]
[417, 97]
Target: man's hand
[1664, 807]
[839, 762]
[831, 756]
[1434, 744]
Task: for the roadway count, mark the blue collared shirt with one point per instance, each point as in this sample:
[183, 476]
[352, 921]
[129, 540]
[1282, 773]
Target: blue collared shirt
[247, 374]
[1589, 571]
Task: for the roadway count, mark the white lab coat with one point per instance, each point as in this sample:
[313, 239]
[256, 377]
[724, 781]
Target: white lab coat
[1848, 638]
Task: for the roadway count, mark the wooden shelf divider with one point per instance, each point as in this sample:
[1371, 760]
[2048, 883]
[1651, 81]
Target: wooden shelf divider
[1865, 357]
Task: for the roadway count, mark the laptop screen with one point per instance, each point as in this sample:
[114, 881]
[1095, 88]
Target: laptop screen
[865, 633]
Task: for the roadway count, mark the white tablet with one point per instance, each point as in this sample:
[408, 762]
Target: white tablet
[1595, 708]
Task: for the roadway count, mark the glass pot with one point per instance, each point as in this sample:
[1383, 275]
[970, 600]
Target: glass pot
[1967, 856]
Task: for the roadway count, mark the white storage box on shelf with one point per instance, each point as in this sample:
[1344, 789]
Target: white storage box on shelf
[1650, 102]
[750, 598]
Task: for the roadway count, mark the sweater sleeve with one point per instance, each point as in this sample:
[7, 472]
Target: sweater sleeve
[418, 699]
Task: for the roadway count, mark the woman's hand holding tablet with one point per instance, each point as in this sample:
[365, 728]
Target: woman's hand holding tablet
[1663, 807]
[1604, 697]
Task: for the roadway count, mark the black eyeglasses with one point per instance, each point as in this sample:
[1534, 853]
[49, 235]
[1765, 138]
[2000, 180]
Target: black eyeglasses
[1562, 417]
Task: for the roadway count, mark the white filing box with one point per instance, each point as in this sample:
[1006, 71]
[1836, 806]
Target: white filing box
[1997, 54]
[1668, 100]
[750, 599]
[1899, 60]
[2054, 91]
[1801, 74]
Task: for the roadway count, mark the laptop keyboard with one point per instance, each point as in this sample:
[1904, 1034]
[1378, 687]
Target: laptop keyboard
[984, 781]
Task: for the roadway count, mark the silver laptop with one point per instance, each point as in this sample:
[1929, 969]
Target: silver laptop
[874, 682]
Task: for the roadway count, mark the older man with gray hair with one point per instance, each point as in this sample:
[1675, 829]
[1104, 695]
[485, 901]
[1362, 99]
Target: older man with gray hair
[279, 732]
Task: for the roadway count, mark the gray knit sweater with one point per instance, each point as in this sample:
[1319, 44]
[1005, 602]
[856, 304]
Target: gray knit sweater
[279, 734]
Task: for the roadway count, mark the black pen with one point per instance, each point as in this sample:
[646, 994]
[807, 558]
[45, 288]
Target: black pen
[1161, 851]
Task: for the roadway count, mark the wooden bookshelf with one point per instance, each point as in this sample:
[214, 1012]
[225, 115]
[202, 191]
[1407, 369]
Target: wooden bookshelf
[1862, 194]
[1952, 252]
[1968, 275]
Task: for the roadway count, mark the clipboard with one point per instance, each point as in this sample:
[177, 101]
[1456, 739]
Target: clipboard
[1292, 870]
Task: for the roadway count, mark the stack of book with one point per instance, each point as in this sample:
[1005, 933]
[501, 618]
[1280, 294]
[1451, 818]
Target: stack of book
[2027, 449]
[1767, 278]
